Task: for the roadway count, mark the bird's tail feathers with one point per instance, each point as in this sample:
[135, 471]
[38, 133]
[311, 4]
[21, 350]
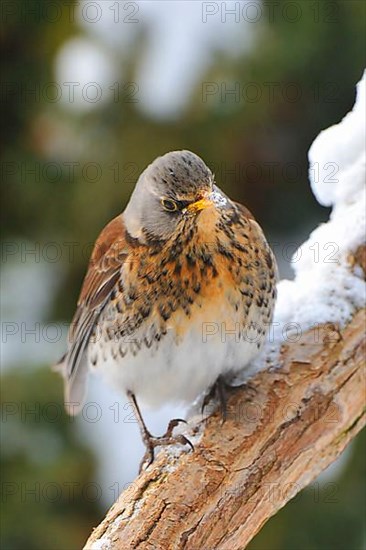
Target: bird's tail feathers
[75, 386]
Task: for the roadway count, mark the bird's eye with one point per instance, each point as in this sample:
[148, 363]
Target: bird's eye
[169, 205]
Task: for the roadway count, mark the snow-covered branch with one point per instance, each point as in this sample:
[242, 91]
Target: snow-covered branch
[306, 401]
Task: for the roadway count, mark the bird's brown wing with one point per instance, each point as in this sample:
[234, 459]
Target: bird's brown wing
[109, 254]
[270, 258]
[244, 211]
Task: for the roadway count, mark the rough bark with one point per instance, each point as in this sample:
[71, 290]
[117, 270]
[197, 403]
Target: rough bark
[276, 440]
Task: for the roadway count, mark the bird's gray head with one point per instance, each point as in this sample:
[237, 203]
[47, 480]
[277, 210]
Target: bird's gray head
[175, 186]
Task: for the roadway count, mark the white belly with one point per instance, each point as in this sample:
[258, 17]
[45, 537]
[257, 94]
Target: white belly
[179, 371]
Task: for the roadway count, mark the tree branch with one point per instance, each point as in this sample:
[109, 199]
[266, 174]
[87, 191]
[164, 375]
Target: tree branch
[301, 417]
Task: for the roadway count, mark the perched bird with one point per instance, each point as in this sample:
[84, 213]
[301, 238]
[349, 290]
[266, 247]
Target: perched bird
[179, 292]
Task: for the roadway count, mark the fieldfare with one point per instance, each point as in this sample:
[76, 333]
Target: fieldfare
[179, 293]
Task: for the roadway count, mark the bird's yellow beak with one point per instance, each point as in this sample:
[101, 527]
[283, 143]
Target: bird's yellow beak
[199, 205]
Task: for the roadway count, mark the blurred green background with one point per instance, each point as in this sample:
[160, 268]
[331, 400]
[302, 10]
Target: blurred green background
[249, 93]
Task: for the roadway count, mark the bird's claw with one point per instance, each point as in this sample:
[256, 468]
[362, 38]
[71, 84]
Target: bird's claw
[168, 438]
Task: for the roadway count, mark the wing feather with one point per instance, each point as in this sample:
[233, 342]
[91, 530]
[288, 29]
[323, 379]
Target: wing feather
[109, 254]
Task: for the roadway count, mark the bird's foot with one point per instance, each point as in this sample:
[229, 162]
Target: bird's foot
[220, 389]
[151, 442]
[249, 388]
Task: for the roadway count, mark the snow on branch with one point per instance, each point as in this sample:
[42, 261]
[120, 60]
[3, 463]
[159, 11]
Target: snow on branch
[328, 286]
[306, 401]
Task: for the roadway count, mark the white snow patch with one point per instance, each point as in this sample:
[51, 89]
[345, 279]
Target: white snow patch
[101, 544]
[344, 146]
[326, 288]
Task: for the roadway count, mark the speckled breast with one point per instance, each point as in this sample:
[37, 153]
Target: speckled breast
[214, 289]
